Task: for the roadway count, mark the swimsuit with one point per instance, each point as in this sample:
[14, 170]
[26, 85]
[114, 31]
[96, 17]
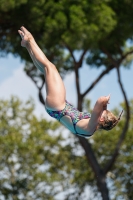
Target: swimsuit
[72, 112]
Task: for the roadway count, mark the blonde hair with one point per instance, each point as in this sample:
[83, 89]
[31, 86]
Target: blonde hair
[110, 121]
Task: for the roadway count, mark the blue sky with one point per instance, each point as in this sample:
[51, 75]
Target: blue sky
[13, 81]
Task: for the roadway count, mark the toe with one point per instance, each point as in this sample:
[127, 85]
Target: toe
[24, 29]
[21, 33]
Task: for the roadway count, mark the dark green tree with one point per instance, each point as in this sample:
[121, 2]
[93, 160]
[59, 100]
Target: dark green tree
[101, 31]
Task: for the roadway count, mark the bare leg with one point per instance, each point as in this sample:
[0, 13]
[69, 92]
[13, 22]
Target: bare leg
[55, 89]
[34, 61]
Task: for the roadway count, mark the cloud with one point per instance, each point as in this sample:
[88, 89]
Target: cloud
[20, 85]
[17, 84]
[7, 66]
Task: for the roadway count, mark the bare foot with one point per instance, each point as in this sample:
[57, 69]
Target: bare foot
[25, 35]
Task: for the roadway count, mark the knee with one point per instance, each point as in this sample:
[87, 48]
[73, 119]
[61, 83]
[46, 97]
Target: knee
[50, 65]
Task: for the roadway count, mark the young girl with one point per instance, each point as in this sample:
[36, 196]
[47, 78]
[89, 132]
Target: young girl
[79, 123]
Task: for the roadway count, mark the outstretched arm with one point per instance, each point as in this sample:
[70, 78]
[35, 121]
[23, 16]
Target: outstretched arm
[99, 108]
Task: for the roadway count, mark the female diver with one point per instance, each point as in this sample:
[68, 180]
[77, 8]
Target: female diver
[80, 123]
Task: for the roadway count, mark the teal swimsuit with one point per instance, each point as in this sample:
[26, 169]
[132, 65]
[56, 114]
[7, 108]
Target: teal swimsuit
[72, 112]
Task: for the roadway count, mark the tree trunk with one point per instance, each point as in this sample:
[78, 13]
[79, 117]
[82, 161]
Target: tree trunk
[102, 185]
[99, 173]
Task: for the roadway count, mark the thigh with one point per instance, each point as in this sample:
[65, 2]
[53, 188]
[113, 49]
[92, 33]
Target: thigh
[55, 89]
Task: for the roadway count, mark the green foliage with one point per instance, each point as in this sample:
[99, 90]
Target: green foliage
[113, 44]
[56, 25]
[101, 27]
[87, 105]
[11, 4]
[35, 162]
[23, 140]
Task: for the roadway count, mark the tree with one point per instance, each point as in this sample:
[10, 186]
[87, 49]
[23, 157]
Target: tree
[99, 30]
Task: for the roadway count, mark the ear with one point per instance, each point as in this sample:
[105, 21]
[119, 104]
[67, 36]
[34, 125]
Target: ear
[101, 119]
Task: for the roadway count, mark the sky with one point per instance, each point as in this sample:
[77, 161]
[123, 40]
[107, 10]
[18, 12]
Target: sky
[13, 81]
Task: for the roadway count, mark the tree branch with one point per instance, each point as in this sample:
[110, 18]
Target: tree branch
[81, 58]
[98, 79]
[124, 56]
[40, 93]
[90, 156]
[77, 81]
[76, 67]
[122, 136]
[71, 52]
[28, 72]
[113, 61]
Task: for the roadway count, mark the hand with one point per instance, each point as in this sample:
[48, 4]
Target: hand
[106, 101]
[103, 101]
[25, 35]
